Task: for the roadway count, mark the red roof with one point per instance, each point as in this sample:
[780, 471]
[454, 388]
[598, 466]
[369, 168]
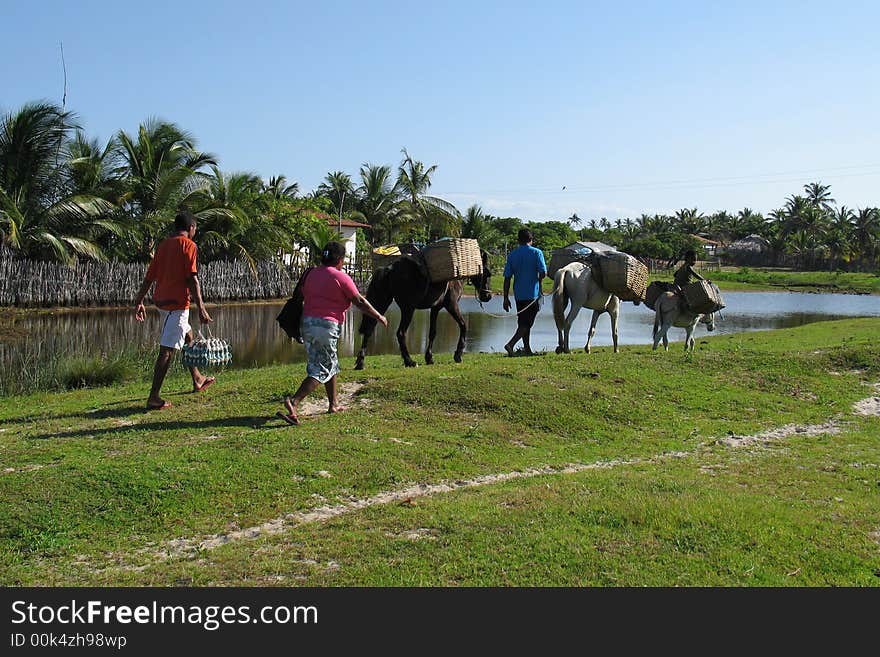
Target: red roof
[705, 241]
[346, 223]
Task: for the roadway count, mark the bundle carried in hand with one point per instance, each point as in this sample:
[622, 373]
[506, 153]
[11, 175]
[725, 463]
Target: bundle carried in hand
[703, 297]
[452, 258]
[623, 275]
[206, 351]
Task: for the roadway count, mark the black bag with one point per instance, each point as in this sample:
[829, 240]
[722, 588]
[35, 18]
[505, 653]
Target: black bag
[291, 315]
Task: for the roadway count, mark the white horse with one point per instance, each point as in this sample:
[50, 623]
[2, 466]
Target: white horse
[575, 283]
[668, 311]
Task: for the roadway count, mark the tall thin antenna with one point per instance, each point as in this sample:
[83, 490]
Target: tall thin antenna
[64, 68]
[61, 120]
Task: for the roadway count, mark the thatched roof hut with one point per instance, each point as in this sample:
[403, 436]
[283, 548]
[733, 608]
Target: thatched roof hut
[750, 250]
[751, 244]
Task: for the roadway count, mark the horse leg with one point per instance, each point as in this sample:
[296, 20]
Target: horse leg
[560, 301]
[658, 320]
[689, 338]
[592, 331]
[569, 320]
[453, 309]
[381, 300]
[614, 315]
[359, 364]
[406, 315]
[432, 333]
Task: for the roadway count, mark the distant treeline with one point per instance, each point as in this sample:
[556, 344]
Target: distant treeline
[67, 198]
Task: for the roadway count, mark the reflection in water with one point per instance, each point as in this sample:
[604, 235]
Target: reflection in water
[256, 338]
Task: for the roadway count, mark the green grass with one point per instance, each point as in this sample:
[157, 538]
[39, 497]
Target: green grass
[93, 488]
[34, 371]
[807, 281]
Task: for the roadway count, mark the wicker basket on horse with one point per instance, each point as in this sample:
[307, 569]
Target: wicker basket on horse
[623, 275]
[703, 297]
[452, 258]
[563, 257]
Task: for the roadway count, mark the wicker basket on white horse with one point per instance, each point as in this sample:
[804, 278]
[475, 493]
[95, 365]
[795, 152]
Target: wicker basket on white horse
[624, 276]
[703, 297]
[452, 258]
[563, 257]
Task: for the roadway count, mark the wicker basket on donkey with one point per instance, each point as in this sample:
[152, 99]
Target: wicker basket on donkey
[653, 293]
[703, 297]
[452, 258]
[624, 276]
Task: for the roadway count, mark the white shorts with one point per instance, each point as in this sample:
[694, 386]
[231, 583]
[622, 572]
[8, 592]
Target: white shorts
[175, 326]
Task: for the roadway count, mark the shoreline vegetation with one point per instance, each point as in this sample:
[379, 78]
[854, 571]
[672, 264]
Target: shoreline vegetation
[742, 280]
[560, 470]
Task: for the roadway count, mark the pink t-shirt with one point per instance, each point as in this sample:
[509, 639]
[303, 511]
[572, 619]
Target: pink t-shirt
[328, 293]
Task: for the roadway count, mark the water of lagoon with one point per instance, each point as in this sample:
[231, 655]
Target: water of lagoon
[256, 338]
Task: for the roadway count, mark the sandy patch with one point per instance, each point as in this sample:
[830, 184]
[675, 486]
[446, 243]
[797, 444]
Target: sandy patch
[869, 406]
[316, 403]
[25, 468]
[420, 534]
[807, 430]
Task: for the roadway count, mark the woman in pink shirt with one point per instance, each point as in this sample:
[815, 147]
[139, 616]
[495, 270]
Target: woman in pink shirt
[328, 292]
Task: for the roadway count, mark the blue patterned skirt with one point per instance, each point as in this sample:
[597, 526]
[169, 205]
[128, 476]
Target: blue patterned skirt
[320, 337]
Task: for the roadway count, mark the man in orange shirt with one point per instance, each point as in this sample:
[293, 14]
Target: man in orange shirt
[174, 271]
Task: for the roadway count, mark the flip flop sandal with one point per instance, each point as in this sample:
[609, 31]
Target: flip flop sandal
[205, 384]
[290, 419]
[159, 408]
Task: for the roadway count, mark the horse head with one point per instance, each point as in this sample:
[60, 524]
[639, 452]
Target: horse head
[481, 280]
[709, 321]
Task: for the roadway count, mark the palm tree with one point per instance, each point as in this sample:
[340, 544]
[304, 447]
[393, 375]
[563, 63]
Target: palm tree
[866, 234]
[337, 186]
[232, 224]
[475, 226]
[746, 222]
[819, 196]
[838, 235]
[377, 202]
[277, 187]
[690, 221]
[318, 238]
[436, 214]
[39, 214]
[161, 172]
[90, 168]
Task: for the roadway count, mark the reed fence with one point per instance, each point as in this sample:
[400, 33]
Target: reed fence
[29, 283]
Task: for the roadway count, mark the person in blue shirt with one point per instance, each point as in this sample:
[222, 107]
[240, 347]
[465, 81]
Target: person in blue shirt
[525, 264]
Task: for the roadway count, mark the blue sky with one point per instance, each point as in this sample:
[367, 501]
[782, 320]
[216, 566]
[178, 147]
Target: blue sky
[631, 106]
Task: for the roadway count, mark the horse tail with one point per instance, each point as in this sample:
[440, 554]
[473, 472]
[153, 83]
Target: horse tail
[380, 296]
[560, 298]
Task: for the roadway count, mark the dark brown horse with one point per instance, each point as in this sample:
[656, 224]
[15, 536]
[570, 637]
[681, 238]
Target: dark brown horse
[405, 281]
